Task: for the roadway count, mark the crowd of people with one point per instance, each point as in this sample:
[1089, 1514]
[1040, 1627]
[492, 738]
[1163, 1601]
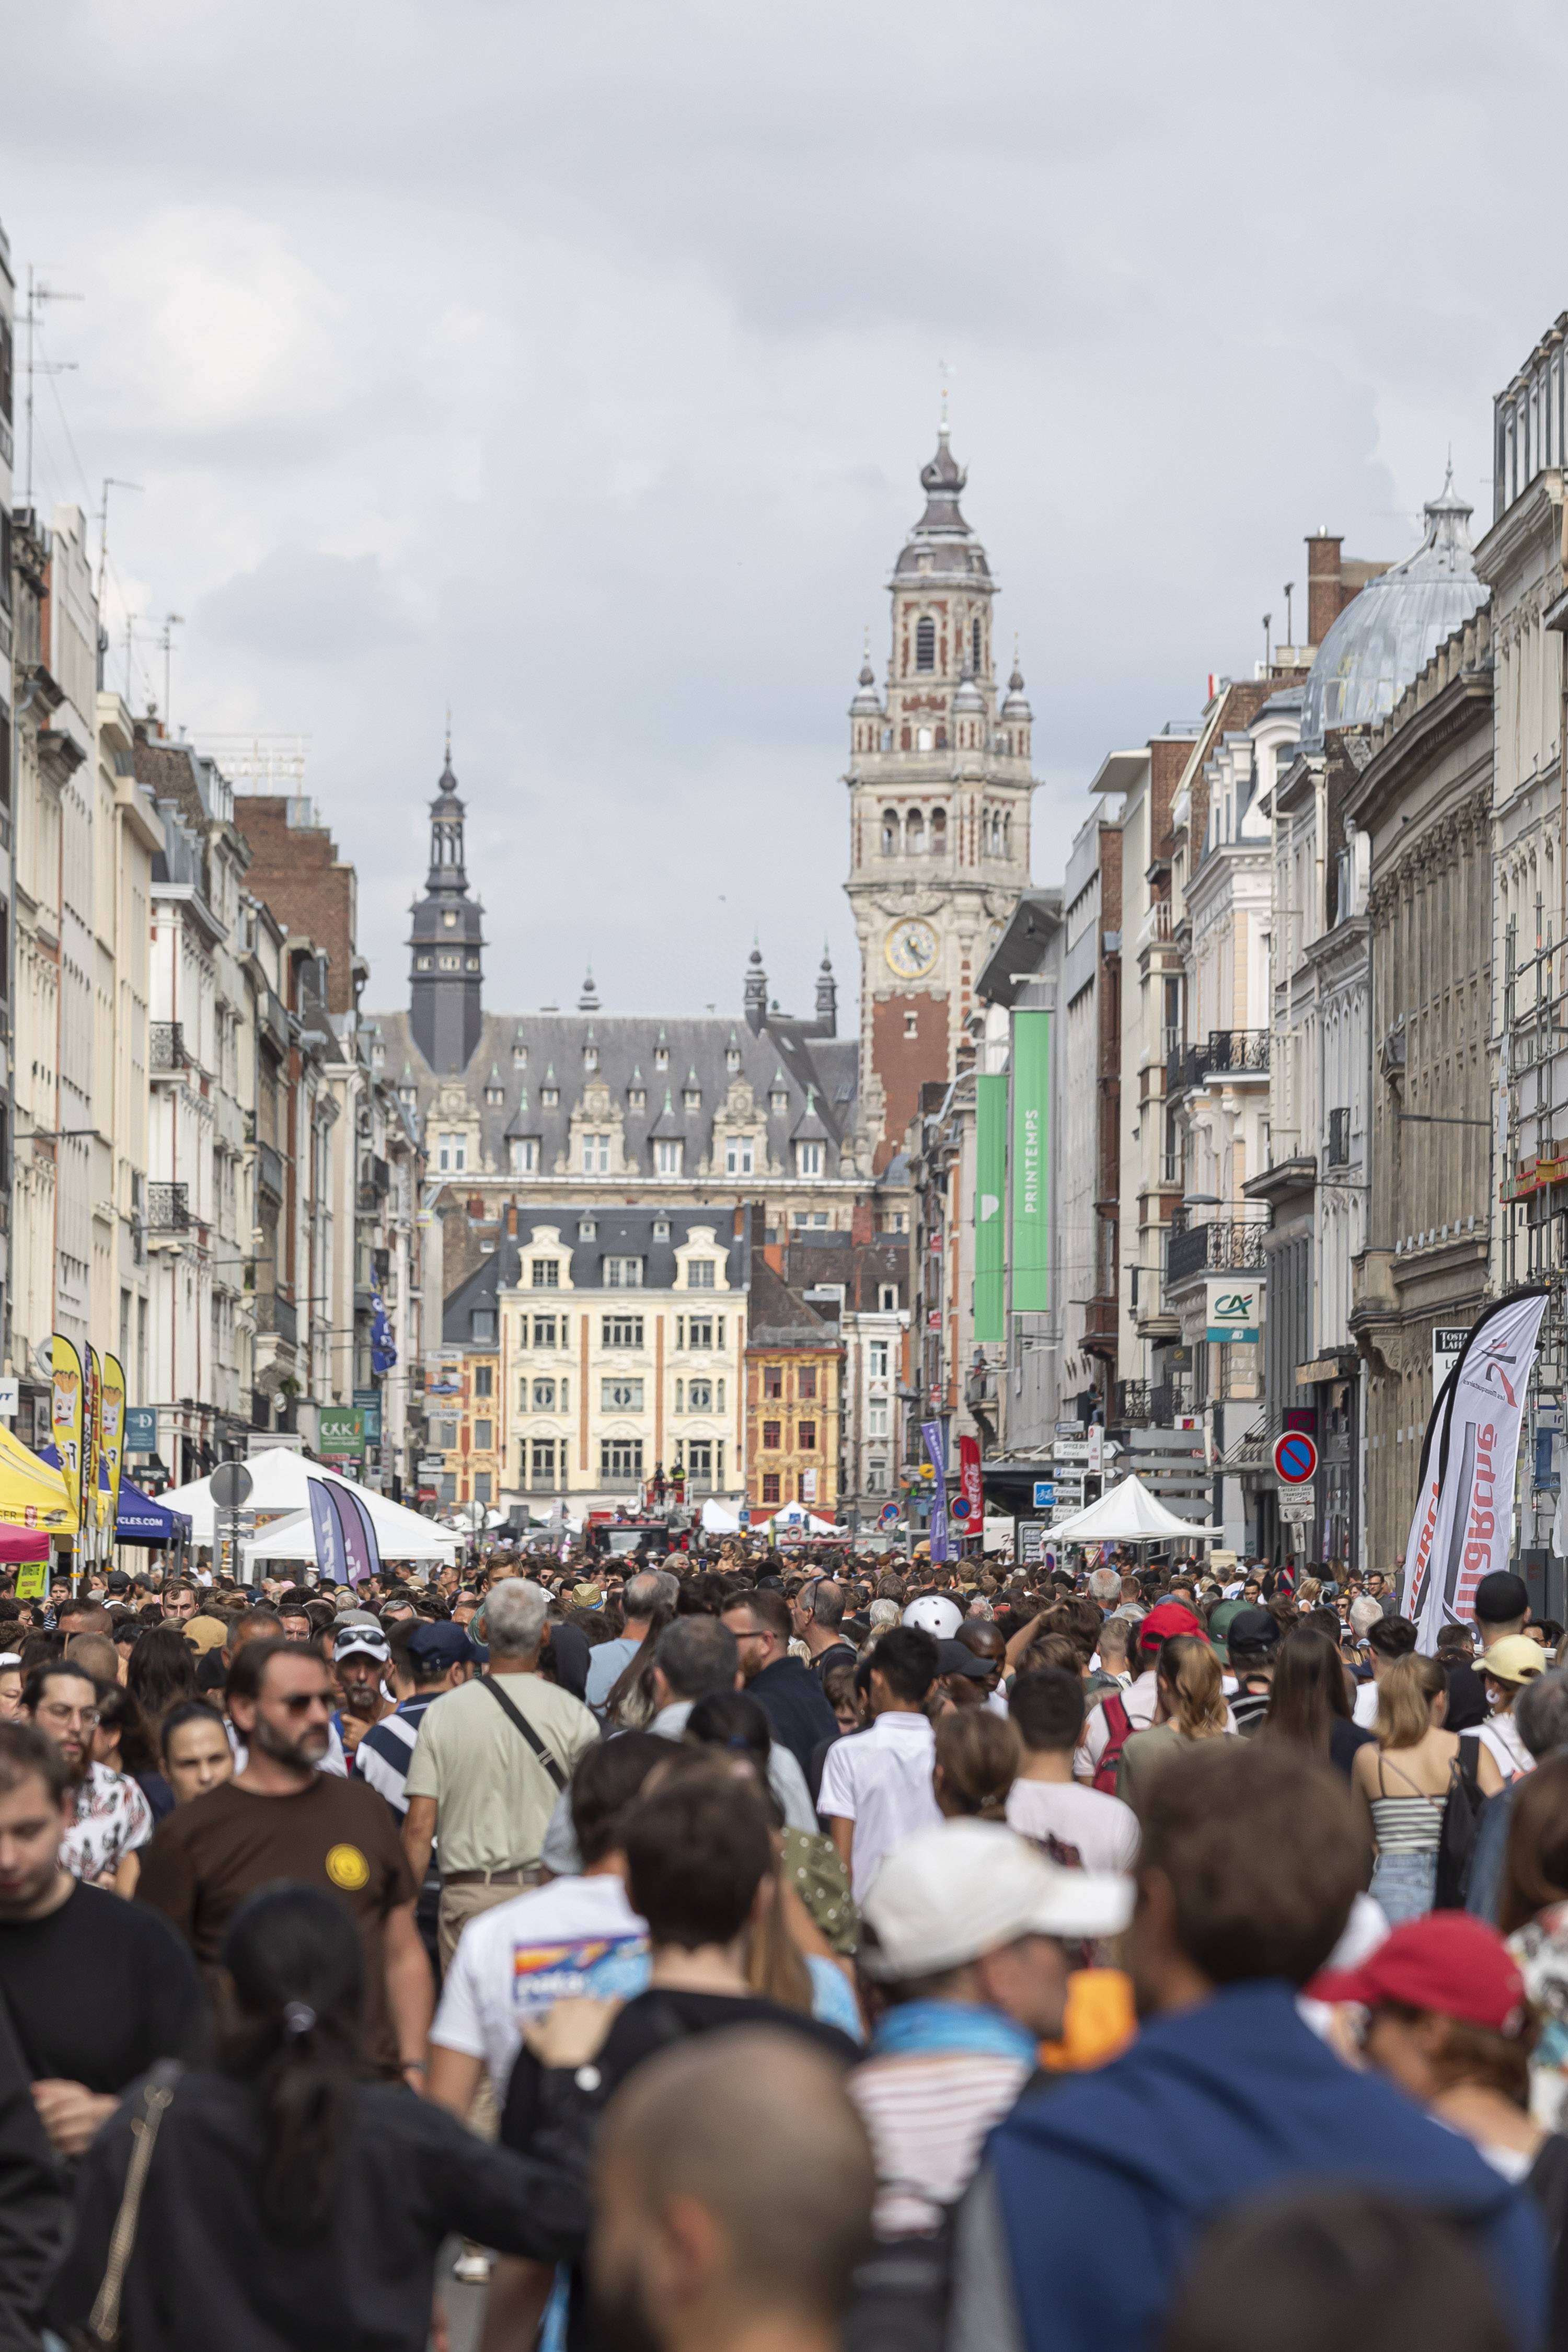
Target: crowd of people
[751, 1952]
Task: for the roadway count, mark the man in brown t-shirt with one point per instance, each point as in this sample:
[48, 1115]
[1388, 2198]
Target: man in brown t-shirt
[282, 1818]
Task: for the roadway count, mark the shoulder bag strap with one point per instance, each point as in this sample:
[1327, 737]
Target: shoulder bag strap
[103, 2323]
[527, 1729]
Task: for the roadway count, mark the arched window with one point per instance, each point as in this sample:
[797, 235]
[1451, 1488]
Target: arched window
[889, 832]
[938, 833]
[925, 642]
[914, 833]
[974, 641]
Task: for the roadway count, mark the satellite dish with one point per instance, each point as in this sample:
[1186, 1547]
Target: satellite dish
[43, 1361]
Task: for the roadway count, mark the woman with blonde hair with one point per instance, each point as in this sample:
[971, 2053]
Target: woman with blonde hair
[1190, 1705]
[1406, 1780]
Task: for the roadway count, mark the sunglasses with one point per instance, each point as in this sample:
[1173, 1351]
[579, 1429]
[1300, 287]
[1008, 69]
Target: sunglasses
[301, 1702]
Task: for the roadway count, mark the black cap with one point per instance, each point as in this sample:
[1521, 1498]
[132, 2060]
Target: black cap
[1251, 1633]
[1501, 1597]
[956, 1657]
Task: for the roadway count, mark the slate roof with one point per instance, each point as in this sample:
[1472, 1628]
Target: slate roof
[617, 1232]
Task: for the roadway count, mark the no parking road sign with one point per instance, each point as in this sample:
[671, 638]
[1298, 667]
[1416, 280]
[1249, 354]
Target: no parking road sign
[1295, 1457]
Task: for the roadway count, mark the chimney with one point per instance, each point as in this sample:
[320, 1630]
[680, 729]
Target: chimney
[1325, 593]
[512, 1220]
[861, 1223]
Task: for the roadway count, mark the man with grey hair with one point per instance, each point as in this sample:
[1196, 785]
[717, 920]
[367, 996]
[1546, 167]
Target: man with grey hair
[816, 1618]
[644, 1595]
[1541, 1717]
[491, 1761]
[1105, 1588]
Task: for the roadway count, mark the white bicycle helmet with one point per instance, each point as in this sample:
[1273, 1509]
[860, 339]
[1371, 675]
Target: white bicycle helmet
[934, 1613]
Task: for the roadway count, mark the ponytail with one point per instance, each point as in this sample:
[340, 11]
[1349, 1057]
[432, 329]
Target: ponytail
[294, 1957]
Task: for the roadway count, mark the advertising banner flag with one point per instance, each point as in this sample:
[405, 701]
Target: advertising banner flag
[362, 1554]
[329, 1533]
[990, 1225]
[931, 1433]
[969, 1474]
[68, 1405]
[1028, 1173]
[112, 1420]
[92, 1442]
[1463, 1525]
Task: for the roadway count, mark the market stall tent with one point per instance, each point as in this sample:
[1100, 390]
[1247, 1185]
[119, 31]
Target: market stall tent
[141, 1520]
[717, 1520]
[1127, 1513]
[280, 1484]
[32, 1495]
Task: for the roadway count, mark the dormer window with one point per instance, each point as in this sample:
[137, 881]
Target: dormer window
[590, 1057]
[732, 1059]
[449, 917]
[550, 1097]
[519, 1054]
[587, 1229]
[407, 1094]
[808, 1159]
[662, 1229]
[778, 1101]
[636, 1099]
[691, 1097]
[661, 1057]
[494, 1095]
[424, 963]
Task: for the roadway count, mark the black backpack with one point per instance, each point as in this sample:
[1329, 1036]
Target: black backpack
[1461, 1820]
[900, 2294]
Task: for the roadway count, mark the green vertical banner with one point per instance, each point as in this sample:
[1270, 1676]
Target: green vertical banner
[1029, 1198]
[990, 1226]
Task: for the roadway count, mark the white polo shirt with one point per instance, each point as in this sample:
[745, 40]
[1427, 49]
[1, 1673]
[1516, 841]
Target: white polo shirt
[881, 1780]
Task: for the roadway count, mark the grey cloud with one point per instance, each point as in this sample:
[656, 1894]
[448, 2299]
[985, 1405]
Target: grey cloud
[299, 605]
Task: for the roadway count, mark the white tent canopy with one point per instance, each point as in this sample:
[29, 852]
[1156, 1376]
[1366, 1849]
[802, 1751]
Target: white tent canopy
[795, 1518]
[280, 1483]
[717, 1520]
[1127, 1513]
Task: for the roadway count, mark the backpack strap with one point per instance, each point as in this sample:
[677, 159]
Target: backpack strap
[488, 1683]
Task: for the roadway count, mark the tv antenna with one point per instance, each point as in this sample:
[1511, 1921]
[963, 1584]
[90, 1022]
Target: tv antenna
[32, 319]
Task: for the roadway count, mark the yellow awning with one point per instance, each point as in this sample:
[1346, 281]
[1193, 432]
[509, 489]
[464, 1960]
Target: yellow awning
[31, 1493]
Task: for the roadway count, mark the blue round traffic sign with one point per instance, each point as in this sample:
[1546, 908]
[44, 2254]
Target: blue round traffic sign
[962, 1507]
[888, 1513]
[1295, 1457]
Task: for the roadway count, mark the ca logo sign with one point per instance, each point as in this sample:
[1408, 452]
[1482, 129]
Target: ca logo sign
[1237, 1308]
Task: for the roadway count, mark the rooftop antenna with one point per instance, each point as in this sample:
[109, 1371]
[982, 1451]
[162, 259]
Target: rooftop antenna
[448, 735]
[111, 482]
[945, 372]
[1290, 631]
[1268, 658]
[37, 295]
[171, 621]
[130, 623]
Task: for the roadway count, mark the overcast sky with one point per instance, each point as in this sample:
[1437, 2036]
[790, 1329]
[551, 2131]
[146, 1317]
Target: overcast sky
[576, 365]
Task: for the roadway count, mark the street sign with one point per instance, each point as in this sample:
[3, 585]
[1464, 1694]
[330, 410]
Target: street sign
[1045, 1494]
[1447, 1343]
[1096, 1448]
[1065, 1451]
[10, 1398]
[341, 1431]
[1069, 1428]
[367, 1401]
[1295, 1510]
[744, 1517]
[230, 1484]
[1295, 1457]
[140, 1429]
[1031, 1536]
[888, 1515]
[960, 1509]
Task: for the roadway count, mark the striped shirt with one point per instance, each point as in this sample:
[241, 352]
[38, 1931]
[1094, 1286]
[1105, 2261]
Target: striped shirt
[386, 1750]
[927, 2119]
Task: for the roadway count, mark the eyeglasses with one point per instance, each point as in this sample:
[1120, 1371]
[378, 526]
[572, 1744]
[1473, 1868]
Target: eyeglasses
[51, 1711]
[301, 1702]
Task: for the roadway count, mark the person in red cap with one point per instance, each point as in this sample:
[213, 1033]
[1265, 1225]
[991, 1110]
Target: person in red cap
[1449, 2020]
[1119, 1714]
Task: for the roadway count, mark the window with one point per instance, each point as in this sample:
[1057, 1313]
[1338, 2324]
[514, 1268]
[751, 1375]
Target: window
[696, 1332]
[494, 1094]
[590, 1057]
[662, 1229]
[444, 1436]
[778, 1101]
[738, 1156]
[587, 1230]
[519, 1054]
[888, 1297]
[876, 1477]
[808, 1436]
[620, 1459]
[772, 1380]
[484, 1380]
[924, 739]
[482, 1485]
[702, 1396]
[808, 1159]
[447, 1488]
[692, 1098]
[661, 1057]
[543, 1396]
[595, 1155]
[620, 1396]
[875, 1421]
[622, 1332]
[889, 832]
[912, 1024]
[482, 1325]
[719, 1396]
[547, 1274]
[925, 642]
[700, 1273]
[732, 1058]
[938, 833]
[680, 1396]
[544, 1462]
[771, 1435]
[667, 1155]
[974, 644]
[623, 1274]
[484, 1436]
[772, 1490]
[915, 828]
[524, 1155]
[452, 1157]
[806, 1380]
[550, 1097]
[876, 1359]
[544, 1330]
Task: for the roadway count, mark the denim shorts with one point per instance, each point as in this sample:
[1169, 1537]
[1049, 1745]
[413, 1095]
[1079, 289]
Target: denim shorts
[1403, 1884]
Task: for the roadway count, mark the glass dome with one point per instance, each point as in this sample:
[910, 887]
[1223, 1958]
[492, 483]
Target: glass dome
[1389, 632]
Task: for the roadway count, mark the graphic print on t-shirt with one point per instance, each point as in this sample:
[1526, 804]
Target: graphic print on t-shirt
[606, 1968]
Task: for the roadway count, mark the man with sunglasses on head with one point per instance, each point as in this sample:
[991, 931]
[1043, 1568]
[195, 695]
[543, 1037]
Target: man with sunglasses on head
[110, 1819]
[281, 1817]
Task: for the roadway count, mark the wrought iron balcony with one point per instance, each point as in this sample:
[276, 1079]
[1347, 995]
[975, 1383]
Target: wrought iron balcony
[1213, 1249]
[1228, 1052]
[278, 1316]
[167, 1045]
[270, 1169]
[168, 1208]
[1133, 1400]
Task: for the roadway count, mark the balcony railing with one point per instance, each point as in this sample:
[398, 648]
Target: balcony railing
[1133, 1400]
[1228, 1052]
[1148, 1405]
[270, 1169]
[167, 1045]
[1213, 1249]
[168, 1208]
[277, 1315]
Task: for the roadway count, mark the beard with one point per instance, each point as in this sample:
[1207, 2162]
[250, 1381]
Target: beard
[303, 1753]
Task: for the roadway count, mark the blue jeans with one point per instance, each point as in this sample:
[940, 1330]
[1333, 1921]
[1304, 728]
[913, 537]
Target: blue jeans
[1403, 1885]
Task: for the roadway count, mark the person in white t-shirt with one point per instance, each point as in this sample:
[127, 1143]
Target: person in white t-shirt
[575, 1936]
[1073, 1825]
[1387, 1639]
[877, 1785]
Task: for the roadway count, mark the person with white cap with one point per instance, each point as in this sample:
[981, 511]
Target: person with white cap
[964, 1930]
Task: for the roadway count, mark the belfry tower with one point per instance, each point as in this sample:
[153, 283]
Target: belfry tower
[445, 976]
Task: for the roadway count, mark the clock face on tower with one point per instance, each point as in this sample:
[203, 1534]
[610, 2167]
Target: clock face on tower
[911, 949]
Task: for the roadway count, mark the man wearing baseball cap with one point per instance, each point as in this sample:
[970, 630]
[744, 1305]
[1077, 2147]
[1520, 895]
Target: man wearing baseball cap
[426, 1659]
[963, 1929]
[1501, 1608]
[1122, 1712]
[1252, 1644]
[361, 1658]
